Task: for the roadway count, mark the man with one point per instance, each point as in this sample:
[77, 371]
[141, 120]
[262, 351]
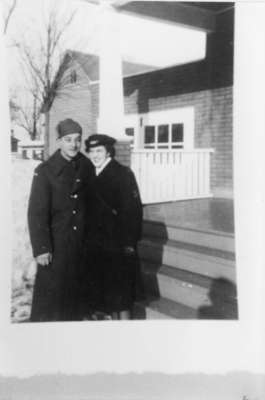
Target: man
[56, 217]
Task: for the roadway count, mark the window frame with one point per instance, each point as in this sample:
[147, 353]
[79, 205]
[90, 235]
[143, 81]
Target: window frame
[180, 115]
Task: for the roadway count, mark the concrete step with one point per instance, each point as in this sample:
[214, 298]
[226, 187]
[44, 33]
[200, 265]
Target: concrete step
[188, 257]
[208, 238]
[189, 289]
[163, 309]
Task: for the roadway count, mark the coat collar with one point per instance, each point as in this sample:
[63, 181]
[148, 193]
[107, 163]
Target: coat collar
[110, 168]
[58, 162]
[100, 169]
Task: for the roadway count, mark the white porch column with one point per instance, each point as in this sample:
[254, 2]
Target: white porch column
[111, 104]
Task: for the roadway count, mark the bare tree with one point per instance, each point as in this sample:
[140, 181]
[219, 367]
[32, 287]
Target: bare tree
[28, 117]
[40, 66]
[10, 8]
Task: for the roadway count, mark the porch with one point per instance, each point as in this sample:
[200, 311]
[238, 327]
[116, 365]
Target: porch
[212, 215]
[188, 260]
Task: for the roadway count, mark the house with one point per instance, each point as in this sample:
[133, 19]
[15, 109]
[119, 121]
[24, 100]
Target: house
[178, 122]
[14, 144]
[188, 106]
[31, 149]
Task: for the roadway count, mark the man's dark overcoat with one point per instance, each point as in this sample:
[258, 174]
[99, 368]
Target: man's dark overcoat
[112, 279]
[56, 217]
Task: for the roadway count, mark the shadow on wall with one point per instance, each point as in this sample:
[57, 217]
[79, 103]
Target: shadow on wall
[223, 297]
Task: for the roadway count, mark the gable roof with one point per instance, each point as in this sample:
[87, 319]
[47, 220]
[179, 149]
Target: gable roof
[90, 64]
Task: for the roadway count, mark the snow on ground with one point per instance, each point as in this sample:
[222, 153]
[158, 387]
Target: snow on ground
[23, 265]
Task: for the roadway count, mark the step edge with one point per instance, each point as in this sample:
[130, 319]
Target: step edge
[225, 249]
[224, 273]
[153, 243]
[186, 228]
[165, 301]
[170, 271]
[198, 287]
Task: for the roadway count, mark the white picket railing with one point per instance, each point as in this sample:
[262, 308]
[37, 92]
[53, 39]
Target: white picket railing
[169, 175]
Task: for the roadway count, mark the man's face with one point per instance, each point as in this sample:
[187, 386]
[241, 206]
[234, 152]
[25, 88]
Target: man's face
[70, 145]
[98, 155]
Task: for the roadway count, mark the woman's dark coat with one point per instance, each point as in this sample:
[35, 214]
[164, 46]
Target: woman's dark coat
[112, 279]
[56, 217]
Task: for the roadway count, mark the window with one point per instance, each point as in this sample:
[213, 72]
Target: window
[149, 137]
[177, 132]
[162, 129]
[177, 136]
[73, 76]
[129, 132]
[164, 136]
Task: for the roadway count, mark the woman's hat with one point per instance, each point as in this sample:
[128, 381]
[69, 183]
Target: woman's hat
[68, 126]
[99, 140]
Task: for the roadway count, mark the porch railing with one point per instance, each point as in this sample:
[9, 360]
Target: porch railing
[169, 175]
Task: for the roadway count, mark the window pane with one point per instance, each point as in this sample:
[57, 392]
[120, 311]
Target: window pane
[177, 132]
[73, 76]
[163, 134]
[149, 134]
[129, 132]
[175, 146]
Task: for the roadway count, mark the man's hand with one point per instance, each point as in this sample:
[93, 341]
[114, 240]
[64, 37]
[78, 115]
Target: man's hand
[44, 259]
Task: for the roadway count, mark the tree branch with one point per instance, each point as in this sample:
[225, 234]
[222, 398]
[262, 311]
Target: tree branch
[42, 67]
[9, 14]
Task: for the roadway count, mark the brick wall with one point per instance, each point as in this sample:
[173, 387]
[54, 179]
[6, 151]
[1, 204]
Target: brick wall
[123, 153]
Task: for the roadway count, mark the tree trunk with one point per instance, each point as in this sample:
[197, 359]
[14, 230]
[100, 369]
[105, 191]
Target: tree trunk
[47, 136]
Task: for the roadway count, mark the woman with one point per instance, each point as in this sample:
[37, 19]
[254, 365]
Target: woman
[111, 268]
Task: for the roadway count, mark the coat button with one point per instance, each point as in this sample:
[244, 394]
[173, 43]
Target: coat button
[74, 228]
[74, 211]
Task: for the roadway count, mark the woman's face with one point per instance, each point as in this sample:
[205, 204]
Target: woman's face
[98, 155]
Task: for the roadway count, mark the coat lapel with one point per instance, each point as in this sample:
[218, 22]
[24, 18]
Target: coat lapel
[77, 178]
[83, 172]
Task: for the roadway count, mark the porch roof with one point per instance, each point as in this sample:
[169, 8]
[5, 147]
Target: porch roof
[199, 15]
